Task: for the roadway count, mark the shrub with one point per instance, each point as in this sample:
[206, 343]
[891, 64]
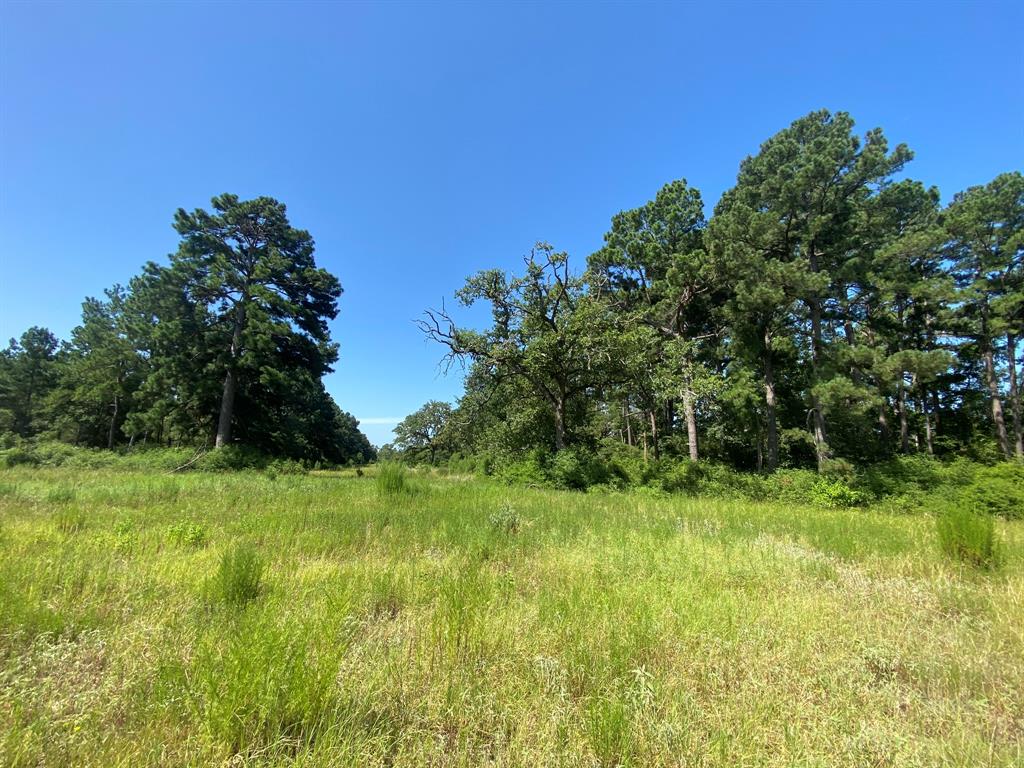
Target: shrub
[902, 474]
[795, 486]
[998, 490]
[529, 470]
[968, 537]
[17, 456]
[835, 494]
[576, 469]
[239, 576]
[230, 458]
[285, 467]
[391, 479]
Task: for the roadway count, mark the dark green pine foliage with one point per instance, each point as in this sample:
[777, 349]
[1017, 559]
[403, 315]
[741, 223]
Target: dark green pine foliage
[986, 229]
[100, 372]
[266, 302]
[235, 334]
[28, 374]
[654, 273]
[781, 236]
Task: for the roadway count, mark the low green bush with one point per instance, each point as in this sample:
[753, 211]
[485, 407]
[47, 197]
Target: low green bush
[836, 494]
[968, 537]
[18, 456]
[230, 458]
[795, 486]
[576, 470]
[997, 490]
[530, 469]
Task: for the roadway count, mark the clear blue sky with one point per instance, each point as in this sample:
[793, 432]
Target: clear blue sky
[422, 142]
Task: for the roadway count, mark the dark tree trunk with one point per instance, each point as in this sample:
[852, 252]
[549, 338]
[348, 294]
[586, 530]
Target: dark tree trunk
[923, 406]
[691, 424]
[901, 397]
[227, 400]
[654, 433]
[629, 422]
[820, 437]
[113, 425]
[1011, 356]
[769, 402]
[883, 425]
[227, 409]
[814, 304]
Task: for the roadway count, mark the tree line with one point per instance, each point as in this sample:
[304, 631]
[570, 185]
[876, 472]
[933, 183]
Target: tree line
[225, 345]
[830, 312]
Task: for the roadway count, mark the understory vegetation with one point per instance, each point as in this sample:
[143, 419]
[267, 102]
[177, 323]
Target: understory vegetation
[427, 618]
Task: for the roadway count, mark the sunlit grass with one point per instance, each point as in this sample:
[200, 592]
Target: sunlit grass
[471, 623]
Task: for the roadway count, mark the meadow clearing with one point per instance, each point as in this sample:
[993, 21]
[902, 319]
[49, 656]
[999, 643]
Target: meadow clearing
[320, 620]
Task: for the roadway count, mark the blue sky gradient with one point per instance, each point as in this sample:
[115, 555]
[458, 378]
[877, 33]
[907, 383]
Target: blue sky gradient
[422, 142]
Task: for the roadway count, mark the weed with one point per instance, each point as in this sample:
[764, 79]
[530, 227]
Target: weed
[505, 519]
[186, 534]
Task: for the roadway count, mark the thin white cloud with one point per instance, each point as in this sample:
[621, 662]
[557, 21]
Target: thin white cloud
[380, 420]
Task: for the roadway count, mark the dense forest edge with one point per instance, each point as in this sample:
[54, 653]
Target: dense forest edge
[831, 333]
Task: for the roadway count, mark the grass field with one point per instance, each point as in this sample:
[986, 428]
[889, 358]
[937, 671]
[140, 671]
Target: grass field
[315, 620]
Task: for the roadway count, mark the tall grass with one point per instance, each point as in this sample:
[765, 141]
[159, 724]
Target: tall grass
[239, 576]
[483, 625]
[392, 479]
[968, 537]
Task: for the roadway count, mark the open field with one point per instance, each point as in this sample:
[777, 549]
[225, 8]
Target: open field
[473, 624]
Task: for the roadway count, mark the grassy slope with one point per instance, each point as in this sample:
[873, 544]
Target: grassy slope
[419, 630]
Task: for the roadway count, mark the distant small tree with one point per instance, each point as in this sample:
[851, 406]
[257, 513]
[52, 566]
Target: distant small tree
[546, 331]
[424, 430]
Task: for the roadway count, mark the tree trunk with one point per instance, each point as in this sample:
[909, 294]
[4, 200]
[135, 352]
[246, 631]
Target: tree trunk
[769, 402]
[559, 424]
[629, 423]
[691, 424]
[820, 439]
[227, 400]
[654, 433]
[997, 402]
[923, 406]
[883, 424]
[113, 425]
[1011, 356]
[901, 397]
